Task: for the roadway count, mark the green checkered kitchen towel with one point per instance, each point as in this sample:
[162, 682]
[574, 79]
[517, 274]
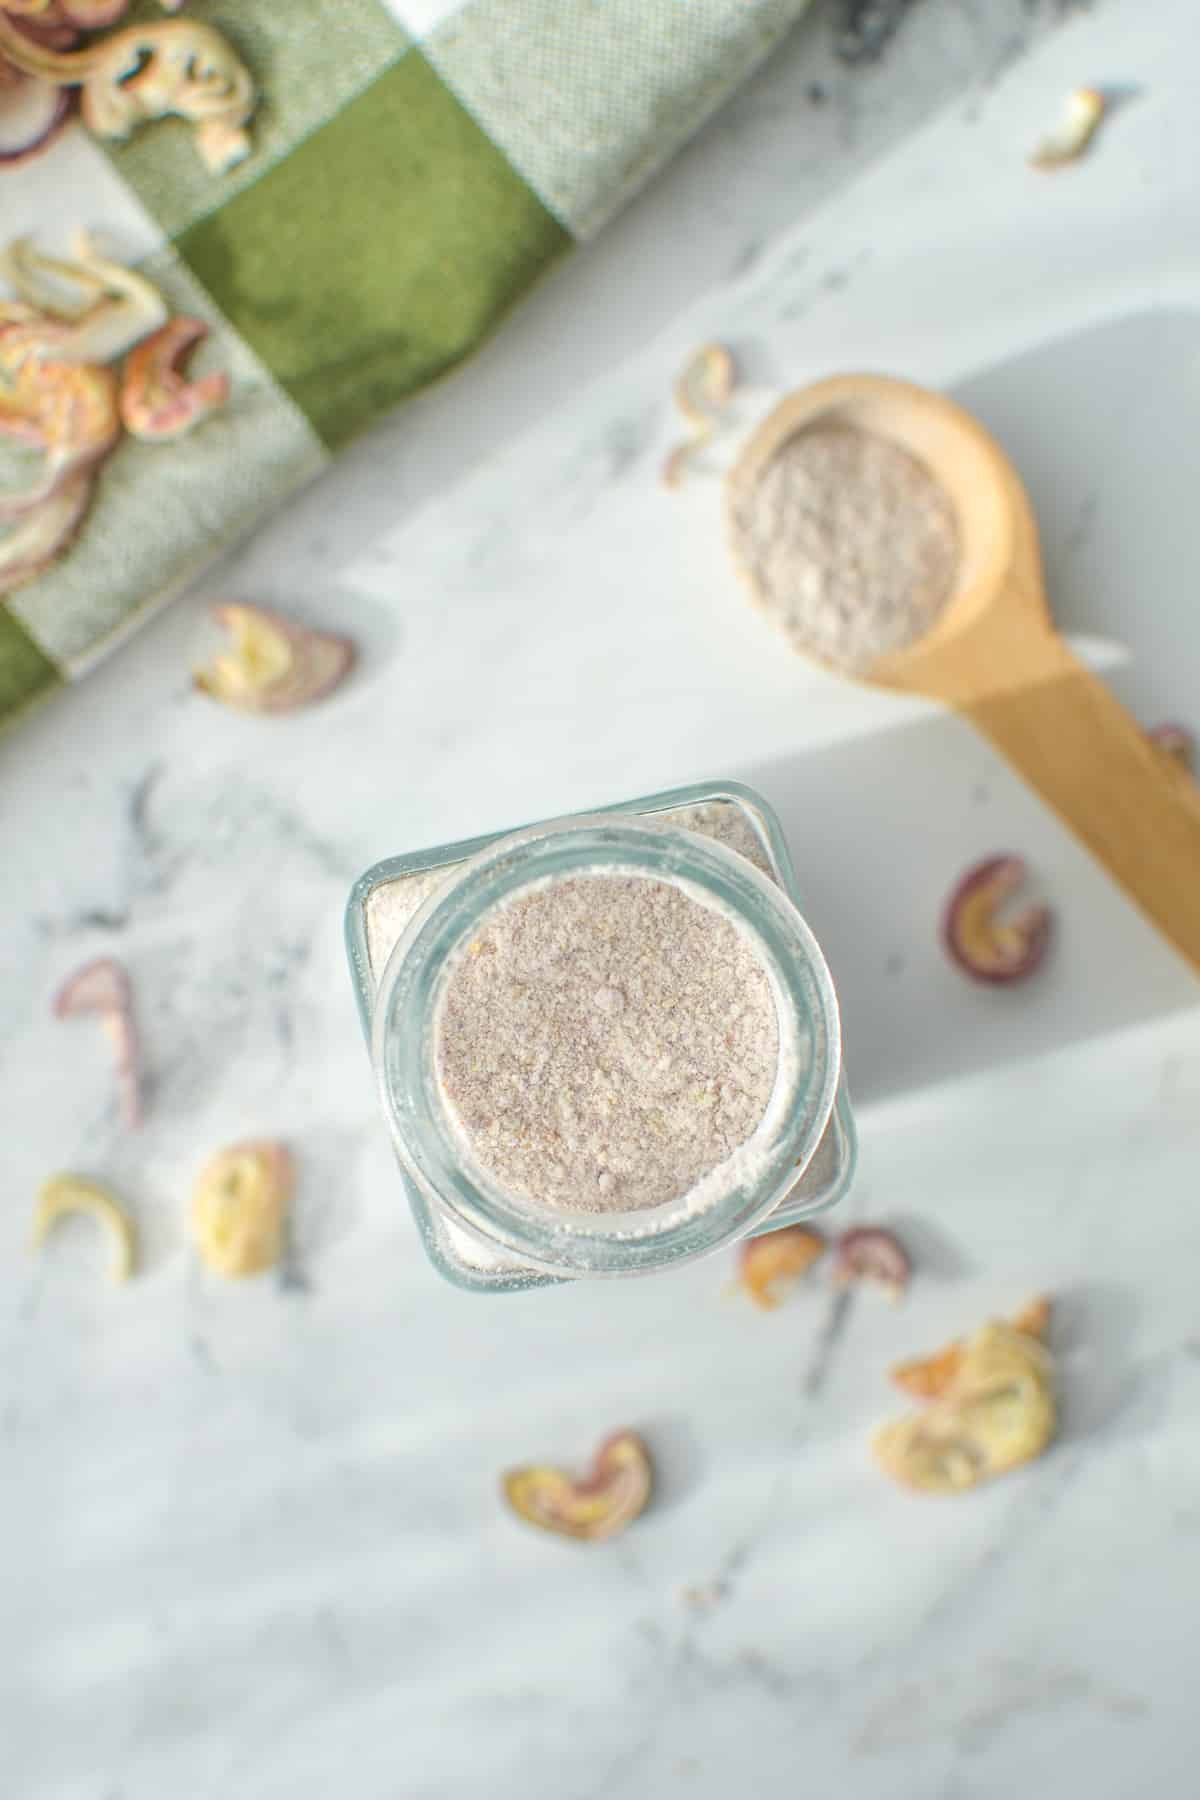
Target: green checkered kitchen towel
[414, 166]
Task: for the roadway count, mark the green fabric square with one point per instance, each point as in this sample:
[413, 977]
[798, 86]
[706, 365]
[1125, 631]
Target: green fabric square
[378, 253]
[308, 58]
[24, 672]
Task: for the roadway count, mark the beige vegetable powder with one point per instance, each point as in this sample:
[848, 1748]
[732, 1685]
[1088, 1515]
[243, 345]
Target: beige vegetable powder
[850, 543]
[606, 1041]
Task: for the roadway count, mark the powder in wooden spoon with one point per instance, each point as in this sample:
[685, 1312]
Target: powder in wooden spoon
[850, 543]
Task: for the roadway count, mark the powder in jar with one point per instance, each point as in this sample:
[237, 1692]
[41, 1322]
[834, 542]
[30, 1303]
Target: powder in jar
[605, 1041]
[850, 543]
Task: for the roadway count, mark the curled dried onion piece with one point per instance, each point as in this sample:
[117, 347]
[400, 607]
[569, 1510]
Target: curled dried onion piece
[604, 1503]
[702, 391]
[239, 1207]
[49, 28]
[984, 944]
[32, 111]
[869, 1253]
[147, 72]
[770, 1264]
[93, 15]
[1175, 741]
[997, 1412]
[41, 535]
[63, 1195]
[1069, 139]
[705, 384]
[1033, 1319]
[54, 393]
[927, 1377]
[107, 309]
[157, 402]
[70, 318]
[67, 409]
[83, 15]
[274, 665]
[102, 987]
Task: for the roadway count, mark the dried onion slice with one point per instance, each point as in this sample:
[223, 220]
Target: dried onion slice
[604, 1503]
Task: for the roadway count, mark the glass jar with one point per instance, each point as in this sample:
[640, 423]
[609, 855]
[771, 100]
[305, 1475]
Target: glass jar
[407, 916]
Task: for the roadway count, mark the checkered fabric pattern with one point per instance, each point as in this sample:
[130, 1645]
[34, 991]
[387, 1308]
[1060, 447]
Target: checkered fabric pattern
[416, 165]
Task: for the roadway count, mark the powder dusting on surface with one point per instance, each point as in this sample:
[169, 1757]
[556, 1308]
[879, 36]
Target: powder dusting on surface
[850, 542]
[606, 1041]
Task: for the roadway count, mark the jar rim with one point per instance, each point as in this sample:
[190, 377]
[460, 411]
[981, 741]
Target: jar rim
[566, 1242]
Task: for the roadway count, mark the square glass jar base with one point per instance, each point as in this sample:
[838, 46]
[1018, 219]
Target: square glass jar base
[385, 898]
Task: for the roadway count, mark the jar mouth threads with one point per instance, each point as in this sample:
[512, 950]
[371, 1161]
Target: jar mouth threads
[740, 1192]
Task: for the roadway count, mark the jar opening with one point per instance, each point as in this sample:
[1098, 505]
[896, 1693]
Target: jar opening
[732, 1196]
[606, 1041]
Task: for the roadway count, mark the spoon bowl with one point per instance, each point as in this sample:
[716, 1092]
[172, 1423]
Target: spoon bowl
[994, 655]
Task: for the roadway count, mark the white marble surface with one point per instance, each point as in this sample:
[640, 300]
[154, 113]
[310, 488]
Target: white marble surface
[254, 1546]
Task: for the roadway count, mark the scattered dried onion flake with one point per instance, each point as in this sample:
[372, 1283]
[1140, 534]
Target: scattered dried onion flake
[978, 937]
[704, 386]
[66, 410]
[42, 534]
[102, 987]
[770, 1264]
[1069, 139]
[32, 111]
[607, 1501]
[63, 1195]
[869, 1253]
[703, 389]
[149, 71]
[240, 1205]
[927, 1377]
[997, 1412]
[274, 665]
[1034, 1318]
[158, 403]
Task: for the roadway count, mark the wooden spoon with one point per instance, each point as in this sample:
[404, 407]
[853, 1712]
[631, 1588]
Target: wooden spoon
[995, 656]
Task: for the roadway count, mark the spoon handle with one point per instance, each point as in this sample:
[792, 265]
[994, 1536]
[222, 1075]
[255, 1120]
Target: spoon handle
[1136, 810]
